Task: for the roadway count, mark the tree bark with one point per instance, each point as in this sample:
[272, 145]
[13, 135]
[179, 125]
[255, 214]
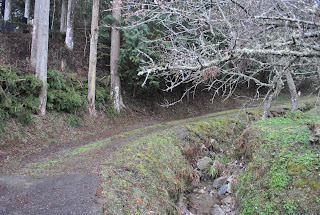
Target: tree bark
[42, 50]
[114, 57]
[63, 20]
[293, 91]
[7, 10]
[33, 57]
[267, 106]
[70, 25]
[93, 57]
[27, 9]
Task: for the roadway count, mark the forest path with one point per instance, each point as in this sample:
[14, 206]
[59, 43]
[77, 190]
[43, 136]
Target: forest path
[68, 181]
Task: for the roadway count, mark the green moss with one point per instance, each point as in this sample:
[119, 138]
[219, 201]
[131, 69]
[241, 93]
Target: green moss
[155, 169]
[315, 186]
[283, 167]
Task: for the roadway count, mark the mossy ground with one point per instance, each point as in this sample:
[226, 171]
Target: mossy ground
[149, 175]
[146, 176]
[283, 173]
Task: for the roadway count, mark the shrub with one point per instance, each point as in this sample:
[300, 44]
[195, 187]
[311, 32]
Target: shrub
[62, 96]
[18, 95]
[73, 120]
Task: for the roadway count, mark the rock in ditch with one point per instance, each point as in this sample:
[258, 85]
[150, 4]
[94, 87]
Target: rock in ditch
[217, 210]
[203, 163]
[227, 200]
[223, 189]
[229, 188]
[219, 182]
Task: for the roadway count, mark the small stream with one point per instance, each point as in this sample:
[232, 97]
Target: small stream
[206, 200]
[210, 196]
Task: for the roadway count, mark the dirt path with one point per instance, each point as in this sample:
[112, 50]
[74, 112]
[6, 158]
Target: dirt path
[61, 194]
[66, 182]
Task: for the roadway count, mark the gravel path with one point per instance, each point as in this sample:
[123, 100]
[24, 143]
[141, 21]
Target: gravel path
[55, 195]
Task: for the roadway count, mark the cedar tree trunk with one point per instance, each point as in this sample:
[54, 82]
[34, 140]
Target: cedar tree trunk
[7, 10]
[42, 50]
[93, 57]
[63, 20]
[114, 57]
[70, 23]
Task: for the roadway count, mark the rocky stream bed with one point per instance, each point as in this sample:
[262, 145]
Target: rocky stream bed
[208, 196]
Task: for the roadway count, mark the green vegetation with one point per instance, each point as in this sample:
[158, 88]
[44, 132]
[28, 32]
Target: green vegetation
[18, 95]
[73, 120]
[62, 94]
[151, 173]
[145, 176]
[284, 168]
[67, 93]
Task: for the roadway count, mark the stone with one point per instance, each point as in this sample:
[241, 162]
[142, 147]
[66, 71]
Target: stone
[204, 148]
[227, 200]
[201, 191]
[219, 182]
[203, 163]
[223, 189]
[217, 210]
[229, 188]
[314, 132]
[226, 208]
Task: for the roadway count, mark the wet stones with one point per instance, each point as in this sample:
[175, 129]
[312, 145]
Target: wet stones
[223, 189]
[217, 210]
[219, 182]
[203, 163]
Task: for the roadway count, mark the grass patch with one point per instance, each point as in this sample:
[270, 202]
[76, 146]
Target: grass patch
[283, 173]
[149, 175]
[145, 176]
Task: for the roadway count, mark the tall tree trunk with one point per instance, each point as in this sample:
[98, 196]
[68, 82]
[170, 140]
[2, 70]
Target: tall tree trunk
[27, 9]
[53, 14]
[275, 93]
[7, 10]
[42, 50]
[63, 20]
[293, 91]
[33, 57]
[114, 57]
[93, 57]
[70, 23]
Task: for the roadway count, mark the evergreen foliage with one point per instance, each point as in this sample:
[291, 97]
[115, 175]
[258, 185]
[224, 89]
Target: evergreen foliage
[18, 95]
[131, 56]
[134, 51]
[68, 93]
[64, 94]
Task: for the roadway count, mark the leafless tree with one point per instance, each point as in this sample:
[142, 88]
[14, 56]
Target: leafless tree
[220, 44]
